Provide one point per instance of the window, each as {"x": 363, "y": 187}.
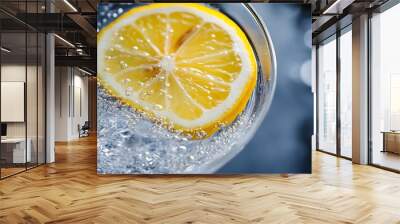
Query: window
{"x": 346, "y": 93}
{"x": 327, "y": 96}
{"x": 385, "y": 89}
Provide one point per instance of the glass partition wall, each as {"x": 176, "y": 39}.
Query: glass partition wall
{"x": 22, "y": 77}
{"x": 334, "y": 93}
{"x": 385, "y": 89}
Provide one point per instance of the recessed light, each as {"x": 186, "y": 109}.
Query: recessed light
{"x": 5, "y": 49}
{"x": 64, "y": 40}
{"x": 70, "y": 5}
{"x": 84, "y": 71}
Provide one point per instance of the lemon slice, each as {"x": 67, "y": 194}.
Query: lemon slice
{"x": 186, "y": 65}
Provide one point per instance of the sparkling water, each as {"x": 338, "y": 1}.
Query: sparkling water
{"x": 128, "y": 143}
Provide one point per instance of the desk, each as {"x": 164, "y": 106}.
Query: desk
{"x": 18, "y": 149}
{"x": 391, "y": 141}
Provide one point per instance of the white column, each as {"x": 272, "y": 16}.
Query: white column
{"x": 360, "y": 90}
{"x": 50, "y": 99}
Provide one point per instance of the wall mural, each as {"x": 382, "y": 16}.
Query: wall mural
{"x": 191, "y": 88}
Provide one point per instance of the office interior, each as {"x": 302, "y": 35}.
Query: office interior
{"x": 45, "y": 98}
{"x": 48, "y": 79}
{"x": 357, "y": 62}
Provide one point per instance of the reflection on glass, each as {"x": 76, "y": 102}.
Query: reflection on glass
{"x": 386, "y": 89}
{"x": 22, "y": 90}
{"x": 327, "y": 96}
{"x": 31, "y": 99}
{"x": 346, "y": 94}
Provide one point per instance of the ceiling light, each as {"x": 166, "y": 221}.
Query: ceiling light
{"x": 70, "y": 5}
{"x": 5, "y": 50}
{"x": 84, "y": 71}
{"x": 337, "y": 7}
{"x": 326, "y": 11}
{"x": 65, "y": 41}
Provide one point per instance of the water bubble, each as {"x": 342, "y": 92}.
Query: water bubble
{"x": 201, "y": 134}
{"x": 123, "y": 64}
{"x": 126, "y": 133}
{"x": 158, "y": 107}
{"x": 128, "y": 91}
{"x": 127, "y": 80}
{"x": 120, "y": 10}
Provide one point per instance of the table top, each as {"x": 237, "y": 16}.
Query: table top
{"x": 13, "y": 140}
{"x": 391, "y": 132}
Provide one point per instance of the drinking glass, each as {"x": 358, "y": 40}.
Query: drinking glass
{"x": 128, "y": 143}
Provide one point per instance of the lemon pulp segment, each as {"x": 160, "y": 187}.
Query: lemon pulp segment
{"x": 187, "y": 65}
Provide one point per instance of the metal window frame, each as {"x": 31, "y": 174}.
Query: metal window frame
{"x": 339, "y": 32}
{"x": 44, "y": 75}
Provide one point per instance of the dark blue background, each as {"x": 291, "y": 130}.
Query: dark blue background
{"x": 282, "y": 144}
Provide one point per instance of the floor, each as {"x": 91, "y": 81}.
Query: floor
{"x": 70, "y": 191}
{"x": 386, "y": 159}
{"x": 5, "y": 172}
{"x": 10, "y": 171}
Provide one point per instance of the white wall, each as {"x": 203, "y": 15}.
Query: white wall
{"x": 71, "y": 94}
{"x": 12, "y": 73}
{"x": 33, "y": 126}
